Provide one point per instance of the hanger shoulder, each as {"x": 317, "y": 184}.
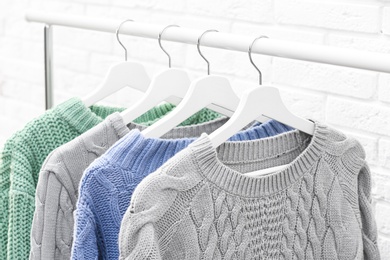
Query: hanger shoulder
{"x": 276, "y": 109}
{"x": 243, "y": 115}
{"x": 202, "y": 93}
{"x": 123, "y": 74}
{"x": 169, "y": 85}
{"x": 174, "y": 77}
{"x": 216, "y": 91}
{"x": 263, "y": 101}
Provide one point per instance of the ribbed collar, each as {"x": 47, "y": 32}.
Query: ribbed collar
{"x": 154, "y": 114}
{"x": 83, "y": 118}
{"x": 211, "y": 164}
{"x": 78, "y": 115}
{"x": 128, "y": 149}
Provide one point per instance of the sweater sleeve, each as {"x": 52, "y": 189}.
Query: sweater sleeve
{"x": 21, "y": 203}
{"x": 85, "y": 234}
{"x": 371, "y": 250}
{"x": 145, "y": 247}
{"x": 151, "y": 201}
{"x": 356, "y": 180}
{"x": 20, "y": 219}
{"x": 52, "y": 218}
{"x": 5, "y": 168}
{"x": 137, "y": 237}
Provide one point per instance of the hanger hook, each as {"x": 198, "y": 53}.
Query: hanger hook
{"x": 200, "y": 53}
{"x": 159, "y": 42}
{"x": 117, "y": 36}
{"x": 251, "y": 60}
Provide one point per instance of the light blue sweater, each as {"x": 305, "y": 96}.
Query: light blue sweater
{"x": 108, "y": 184}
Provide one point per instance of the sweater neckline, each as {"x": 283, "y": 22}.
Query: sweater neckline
{"x": 134, "y": 142}
{"x": 251, "y": 132}
{"x": 78, "y": 115}
{"x": 212, "y": 167}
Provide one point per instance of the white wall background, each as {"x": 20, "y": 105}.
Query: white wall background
{"x": 356, "y": 102}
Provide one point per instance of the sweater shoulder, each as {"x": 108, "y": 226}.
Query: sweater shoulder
{"x": 48, "y": 120}
{"x": 178, "y": 174}
{"x": 158, "y": 204}
{"x": 98, "y": 167}
{"x": 347, "y": 150}
{"x": 38, "y": 138}
{"x": 55, "y": 171}
{"x": 5, "y": 161}
{"x": 73, "y": 158}
{"x": 345, "y": 156}
{"x": 7, "y": 147}
{"x": 6, "y": 155}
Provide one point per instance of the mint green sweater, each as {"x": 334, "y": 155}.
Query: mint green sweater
{"x": 24, "y": 153}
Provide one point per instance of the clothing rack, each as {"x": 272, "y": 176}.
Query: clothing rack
{"x": 373, "y": 61}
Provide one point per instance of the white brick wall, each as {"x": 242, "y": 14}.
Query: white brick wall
{"x": 355, "y": 101}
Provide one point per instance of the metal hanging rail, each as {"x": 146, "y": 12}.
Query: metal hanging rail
{"x": 373, "y": 61}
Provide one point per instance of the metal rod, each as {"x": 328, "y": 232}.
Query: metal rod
{"x": 48, "y": 50}
{"x": 286, "y": 49}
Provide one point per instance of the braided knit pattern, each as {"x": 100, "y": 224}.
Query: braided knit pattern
{"x": 30, "y": 147}
{"x": 316, "y": 209}
{"x": 20, "y": 162}
{"x": 108, "y": 184}
{"x": 57, "y": 188}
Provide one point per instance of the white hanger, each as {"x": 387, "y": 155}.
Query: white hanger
{"x": 169, "y": 85}
{"x": 214, "y": 92}
{"x": 120, "y": 75}
{"x": 265, "y": 101}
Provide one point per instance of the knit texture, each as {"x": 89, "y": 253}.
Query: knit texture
{"x": 59, "y": 178}
{"x": 22, "y": 159}
{"x": 201, "y": 205}
{"x": 108, "y": 183}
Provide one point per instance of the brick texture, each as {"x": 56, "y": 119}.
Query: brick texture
{"x": 354, "y": 101}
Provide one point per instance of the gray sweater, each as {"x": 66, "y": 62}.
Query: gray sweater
{"x": 201, "y": 205}
{"x": 59, "y": 178}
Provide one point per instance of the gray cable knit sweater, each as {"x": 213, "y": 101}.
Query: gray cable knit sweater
{"x": 201, "y": 205}
{"x": 57, "y": 189}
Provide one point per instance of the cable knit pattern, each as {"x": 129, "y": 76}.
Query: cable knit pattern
{"x": 108, "y": 183}
{"x": 57, "y": 188}
{"x": 317, "y": 207}
{"x": 23, "y": 156}
{"x": 21, "y": 160}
